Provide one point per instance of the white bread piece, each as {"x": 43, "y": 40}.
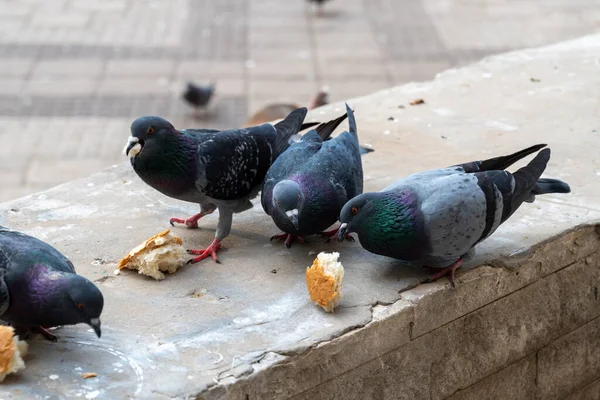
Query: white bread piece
{"x": 163, "y": 252}
{"x": 324, "y": 280}
{"x": 11, "y": 352}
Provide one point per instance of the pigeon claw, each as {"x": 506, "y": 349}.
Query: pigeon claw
{"x": 446, "y": 271}
{"x": 191, "y": 222}
{"x": 330, "y": 234}
{"x": 289, "y": 238}
{"x": 210, "y": 251}
{"x": 47, "y": 335}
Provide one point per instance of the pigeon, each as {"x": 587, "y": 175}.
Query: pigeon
{"x": 39, "y": 287}
{"x": 221, "y": 170}
{"x": 307, "y": 186}
{"x": 275, "y": 111}
{"x": 318, "y": 5}
{"x": 434, "y": 218}
{"x": 198, "y": 96}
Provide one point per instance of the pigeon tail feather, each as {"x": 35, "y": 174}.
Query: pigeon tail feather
{"x": 526, "y": 179}
{"x": 351, "y": 121}
{"x": 547, "y": 186}
{"x": 307, "y": 125}
{"x": 326, "y": 129}
{"x": 287, "y": 128}
{"x": 500, "y": 163}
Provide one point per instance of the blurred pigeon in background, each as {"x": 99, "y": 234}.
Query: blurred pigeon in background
{"x": 198, "y": 96}
{"x": 434, "y": 218}
{"x": 39, "y": 287}
{"x": 221, "y": 170}
{"x": 318, "y": 6}
{"x": 307, "y": 186}
{"x": 275, "y": 111}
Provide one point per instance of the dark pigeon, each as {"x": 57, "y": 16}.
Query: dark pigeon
{"x": 39, "y": 287}
{"x": 318, "y": 5}
{"x": 434, "y": 218}
{"x": 306, "y": 188}
{"x": 221, "y": 170}
{"x": 198, "y": 96}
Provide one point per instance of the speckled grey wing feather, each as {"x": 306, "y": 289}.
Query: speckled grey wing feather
{"x": 232, "y": 163}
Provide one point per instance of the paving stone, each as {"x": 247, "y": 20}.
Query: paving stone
{"x": 70, "y": 67}
{"x": 58, "y": 87}
{"x": 48, "y": 19}
{"x": 122, "y": 57}
{"x": 15, "y": 67}
{"x": 12, "y": 86}
{"x": 138, "y": 68}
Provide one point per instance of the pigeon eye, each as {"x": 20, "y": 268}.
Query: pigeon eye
{"x": 150, "y": 130}
{"x": 277, "y": 203}
{"x": 354, "y": 210}
{"x": 80, "y": 306}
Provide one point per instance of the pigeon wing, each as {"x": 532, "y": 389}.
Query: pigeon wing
{"x": 231, "y": 163}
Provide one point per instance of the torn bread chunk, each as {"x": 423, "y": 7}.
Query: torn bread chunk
{"x": 11, "y": 352}
{"x": 163, "y": 252}
{"x": 324, "y": 280}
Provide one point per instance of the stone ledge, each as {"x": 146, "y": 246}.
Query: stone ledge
{"x": 255, "y": 333}
{"x": 476, "y": 352}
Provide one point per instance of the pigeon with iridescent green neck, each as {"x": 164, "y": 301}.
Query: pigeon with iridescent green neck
{"x": 434, "y": 218}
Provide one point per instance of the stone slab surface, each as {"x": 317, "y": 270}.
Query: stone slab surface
{"x": 212, "y": 324}
{"x": 107, "y": 61}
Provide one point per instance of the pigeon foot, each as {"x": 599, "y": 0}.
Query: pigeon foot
{"x": 289, "y": 238}
{"x": 446, "y": 271}
{"x": 47, "y": 335}
{"x": 332, "y": 233}
{"x": 191, "y": 222}
{"x": 205, "y": 253}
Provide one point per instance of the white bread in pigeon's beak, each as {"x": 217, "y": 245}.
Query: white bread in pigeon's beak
{"x": 133, "y": 147}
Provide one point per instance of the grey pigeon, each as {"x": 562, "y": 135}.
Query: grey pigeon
{"x": 307, "y": 186}
{"x": 221, "y": 170}
{"x": 39, "y": 287}
{"x": 199, "y": 96}
{"x": 434, "y": 218}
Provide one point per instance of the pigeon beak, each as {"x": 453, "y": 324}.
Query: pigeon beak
{"x": 342, "y": 231}
{"x": 293, "y": 216}
{"x": 95, "y": 324}
{"x": 133, "y": 147}
{"x": 295, "y": 222}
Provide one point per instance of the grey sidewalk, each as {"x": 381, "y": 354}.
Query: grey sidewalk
{"x": 73, "y": 74}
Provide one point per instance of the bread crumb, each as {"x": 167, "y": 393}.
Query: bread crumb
{"x": 417, "y": 102}
{"x": 324, "y": 280}
{"x": 88, "y": 375}
{"x": 163, "y": 252}
{"x": 11, "y": 352}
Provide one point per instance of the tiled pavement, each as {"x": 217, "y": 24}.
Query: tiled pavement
{"x": 73, "y": 73}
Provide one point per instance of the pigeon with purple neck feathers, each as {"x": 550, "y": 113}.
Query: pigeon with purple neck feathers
{"x": 434, "y": 218}
{"x": 221, "y": 170}
{"x": 39, "y": 287}
{"x": 307, "y": 186}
